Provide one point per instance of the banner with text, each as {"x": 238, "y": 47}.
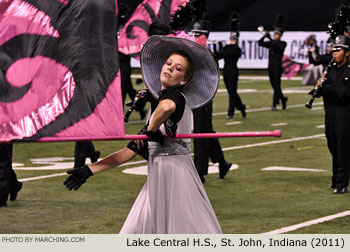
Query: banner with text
{"x": 256, "y": 57}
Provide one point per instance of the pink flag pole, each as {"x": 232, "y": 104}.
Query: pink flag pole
{"x": 275, "y": 133}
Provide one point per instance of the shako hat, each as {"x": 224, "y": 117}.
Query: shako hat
{"x": 341, "y": 42}
{"x": 201, "y": 27}
{"x": 279, "y": 24}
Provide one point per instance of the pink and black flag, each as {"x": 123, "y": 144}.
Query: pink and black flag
{"x": 291, "y": 67}
{"x": 135, "y": 31}
{"x": 59, "y": 70}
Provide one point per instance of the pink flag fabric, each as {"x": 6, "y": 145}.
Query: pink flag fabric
{"x": 59, "y": 70}
{"x": 134, "y": 33}
{"x": 291, "y": 68}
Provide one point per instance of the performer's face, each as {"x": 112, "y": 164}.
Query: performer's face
{"x": 175, "y": 70}
{"x": 277, "y": 36}
{"x": 311, "y": 42}
{"x": 340, "y": 56}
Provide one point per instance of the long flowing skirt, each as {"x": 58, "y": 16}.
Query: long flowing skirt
{"x": 172, "y": 201}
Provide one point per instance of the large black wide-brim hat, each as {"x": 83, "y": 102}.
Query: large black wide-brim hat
{"x": 205, "y": 79}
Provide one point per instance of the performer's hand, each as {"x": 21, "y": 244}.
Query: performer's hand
{"x": 220, "y": 44}
{"x": 324, "y": 76}
{"x": 77, "y": 178}
{"x": 142, "y": 96}
{"x": 156, "y": 136}
{"x": 267, "y": 35}
{"x": 321, "y": 80}
{"x": 142, "y": 93}
{"x": 318, "y": 83}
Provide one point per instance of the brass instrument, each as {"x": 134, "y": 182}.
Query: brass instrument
{"x": 262, "y": 30}
{"x": 215, "y": 42}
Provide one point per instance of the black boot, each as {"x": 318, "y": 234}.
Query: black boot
{"x": 94, "y": 157}
{"x": 340, "y": 190}
{"x": 224, "y": 167}
{"x": 284, "y": 102}
{"x": 3, "y": 198}
{"x": 14, "y": 191}
{"x": 244, "y": 114}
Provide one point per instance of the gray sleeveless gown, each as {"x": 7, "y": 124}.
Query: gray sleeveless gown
{"x": 173, "y": 199}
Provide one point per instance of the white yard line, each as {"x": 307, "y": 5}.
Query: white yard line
{"x": 233, "y": 123}
{"x": 272, "y": 142}
{"x": 269, "y": 108}
{"x": 43, "y": 177}
{"x": 309, "y": 223}
{"x": 280, "y": 168}
{"x": 278, "y": 124}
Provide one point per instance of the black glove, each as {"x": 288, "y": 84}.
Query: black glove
{"x": 77, "y": 178}
{"x": 156, "y": 136}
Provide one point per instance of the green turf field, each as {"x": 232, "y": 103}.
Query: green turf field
{"x": 248, "y": 200}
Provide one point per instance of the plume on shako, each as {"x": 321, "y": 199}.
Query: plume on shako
{"x": 234, "y": 26}
{"x": 185, "y": 16}
{"x": 279, "y": 24}
{"x": 341, "y": 20}
{"x": 123, "y": 14}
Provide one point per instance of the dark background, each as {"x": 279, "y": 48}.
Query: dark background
{"x": 301, "y": 15}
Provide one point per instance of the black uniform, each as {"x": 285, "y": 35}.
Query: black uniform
{"x": 205, "y": 148}
{"x": 126, "y": 84}
{"x": 276, "y": 50}
{"x": 125, "y": 73}
{"x": 314, "y": 54}
{"x": 321, "y": 59}
{"x": 231, "y": 54}
{"x": 336, "y": 96}
{"x": 8, "y": 178}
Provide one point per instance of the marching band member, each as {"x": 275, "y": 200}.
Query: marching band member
{"x": 276, "y": 49}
